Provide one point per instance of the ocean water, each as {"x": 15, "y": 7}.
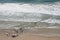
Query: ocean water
{"x": 28, "y": 1}
{"x": 30, "y": 13}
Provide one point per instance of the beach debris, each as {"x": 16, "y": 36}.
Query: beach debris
{"x": 11, "y": 33}
{"x": 14, "y": 35}
{"x": 21, "y": 30}
{"x": 14, "y": 32}
{"x": 17, "y": 30}
{"x": 7, "y": 34}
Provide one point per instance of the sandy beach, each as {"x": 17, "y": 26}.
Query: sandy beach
{"x": 26, "y": 36}
{"x": 29, "y": 37}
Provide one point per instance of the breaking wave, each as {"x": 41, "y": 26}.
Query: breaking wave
{"x": 30, "y": 12}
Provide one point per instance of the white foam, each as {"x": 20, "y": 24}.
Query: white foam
{"x": 52, "y": 21}
{"x": 24, "y": 20}
{"x": 17, "y": 9}
{"x": 11, "y": 8}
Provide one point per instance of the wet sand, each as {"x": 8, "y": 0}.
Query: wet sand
{"x": 27, "y": 36}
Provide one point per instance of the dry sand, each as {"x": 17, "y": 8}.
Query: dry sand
{"x": 27, "y": 36}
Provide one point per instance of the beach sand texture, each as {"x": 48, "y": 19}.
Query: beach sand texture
{"x": 26, "y": 36}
